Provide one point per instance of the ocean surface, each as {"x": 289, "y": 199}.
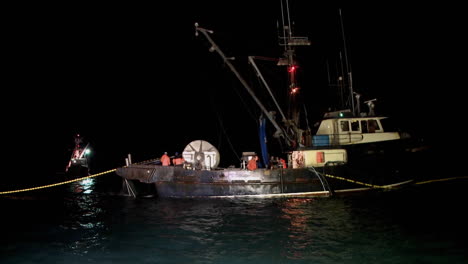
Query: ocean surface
{"x": 91, "y": 222}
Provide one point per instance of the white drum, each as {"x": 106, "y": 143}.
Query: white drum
{"x": 201, "y": 154}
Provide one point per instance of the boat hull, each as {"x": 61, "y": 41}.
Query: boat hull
{"x": 233, "y": 182}
{"x": 385, "y": 162}
{"x": 78, "y": 170}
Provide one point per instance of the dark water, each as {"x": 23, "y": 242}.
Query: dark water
{"x": 91, "y": 223}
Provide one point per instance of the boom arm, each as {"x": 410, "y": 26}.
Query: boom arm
{"x": 279, "y": 131}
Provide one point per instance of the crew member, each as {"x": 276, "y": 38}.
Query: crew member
{"x": 165, "y": 160}
{"x": 178, "y": 160}
{"x": 273, "y": 162}
{"x": 252, "y": 165}
{"x": 283, "y": 163}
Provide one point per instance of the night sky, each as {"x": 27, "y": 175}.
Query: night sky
{"x": 134, "y": 78}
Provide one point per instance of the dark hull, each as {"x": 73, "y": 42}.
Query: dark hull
{"x": 182, "y": 183}
{"x": 385, "y": 162}
{"x": 77, "y": 171}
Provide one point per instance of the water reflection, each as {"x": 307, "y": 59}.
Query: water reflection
{"x": 83, "y": 221}
{"x": 300, "y": 232}
{"x": 85, "y": 186}
{"x": 313, "y": 227}
{"x": 97, "y": 227}
{"x": 245, "y": 230}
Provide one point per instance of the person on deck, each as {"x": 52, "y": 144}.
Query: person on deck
{"x": 273, "y": 162}
{"x": 252, "y": 165}
{"x": 283, "y": 163}
{"x": 165, "y": 160}
{"x": 178, "y": 160}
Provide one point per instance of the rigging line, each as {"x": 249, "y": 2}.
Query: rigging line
{"x": 289, "y": 18}
{"x": 348, "y": 67}
{"x": 344, "y": 42}
{"x": 319, "y": 176}
{"x": 328, "y": 72}
{"x": 260, "y": 76}
{"x": 244, "y": 103}
{"x": 220, "y": 137}
{"x": 218, "y": 127}
{"x": 227, "y": 137}
{"x": 129, "y": 189}
{"x": 342, "y": 83}
{"x": 282, "y": 21}
{"x": 306, "y": 117}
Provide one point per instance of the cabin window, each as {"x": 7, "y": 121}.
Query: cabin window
{"x": 344, "y": 125}
{"x": 373, "y": 125}
{"x": 364, "y": 126}
{"x": 355, "y": 125}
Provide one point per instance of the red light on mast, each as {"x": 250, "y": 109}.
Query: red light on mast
{"x": 292, "y": 68}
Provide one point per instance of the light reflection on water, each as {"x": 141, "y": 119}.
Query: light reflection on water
{"x": 94, "y": 226}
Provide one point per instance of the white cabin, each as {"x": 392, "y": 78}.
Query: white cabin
{"x": 352, "y": 130}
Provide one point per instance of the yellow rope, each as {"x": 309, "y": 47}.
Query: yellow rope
{"x": 357, "y": 182}
{"x": 391, "y": 186}
{"x": 60, "y": 183}
{"x": 70, "y": 181}
{"x": 445, "y": 179}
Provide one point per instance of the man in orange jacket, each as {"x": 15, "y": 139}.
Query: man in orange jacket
{"x": 283, "y": 163}
{"x": 252, "y": 165}
{"x": 165, "y": 160}
{"x": 178, "y": 160}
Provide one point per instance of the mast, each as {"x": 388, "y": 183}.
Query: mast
{"x": 290, "y": 131}
{"x": 290, "y": 42}
{"x": 348, "y": 70}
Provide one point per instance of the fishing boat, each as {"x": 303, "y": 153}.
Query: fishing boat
{"x": 78, "y": 165}
{"x": 348, "y": 153}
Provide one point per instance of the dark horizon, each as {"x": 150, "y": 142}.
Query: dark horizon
{"x": 135, "y": 79}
